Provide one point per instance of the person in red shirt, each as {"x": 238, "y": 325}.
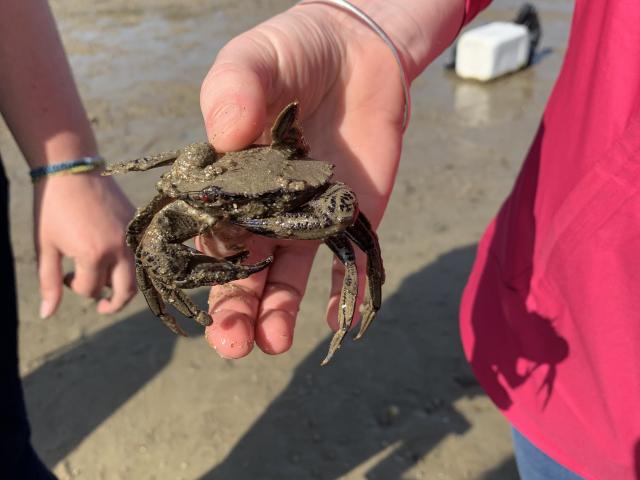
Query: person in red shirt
{"x": 549, "y": 318}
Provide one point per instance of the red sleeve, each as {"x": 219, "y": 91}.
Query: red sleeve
{"x": 472, "y": 8}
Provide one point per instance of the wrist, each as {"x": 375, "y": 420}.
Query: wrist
{"x": 419, "y": 29}
{"x": 63, "y": 154}
{"x": 62, "y": 147}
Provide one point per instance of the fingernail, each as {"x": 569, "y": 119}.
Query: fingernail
{"x": 225, "y": 117}
{"x": 46, "y": 308}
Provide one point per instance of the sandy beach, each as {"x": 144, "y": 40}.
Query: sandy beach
{"x": 120, "y": 397}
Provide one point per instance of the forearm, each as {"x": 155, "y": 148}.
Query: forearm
{"x": 420, "y": 29}
{"x": 38, "y": 96}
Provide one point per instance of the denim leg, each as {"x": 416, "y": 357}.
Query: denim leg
{"x": 18, "y": 460}
{"x": 533, "y": 464}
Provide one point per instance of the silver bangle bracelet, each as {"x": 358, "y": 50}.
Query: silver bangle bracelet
{"x": 406, "y": 87}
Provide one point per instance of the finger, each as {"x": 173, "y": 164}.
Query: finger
{"x": 234, "y": 307}
{"x": 224, "y": 243}
{"x": 234, "y": 94}
{"x": 50, "y": 274}
{"x": 123, "y": 286}
{"x": 88, "y": 279}
{"x": 337, "y": 279}
{"x": 283, "y": 292}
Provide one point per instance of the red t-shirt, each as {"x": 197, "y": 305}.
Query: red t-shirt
{"x": 550, "y": 317}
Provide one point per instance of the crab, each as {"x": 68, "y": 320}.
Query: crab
{"x": 273, "y": 190}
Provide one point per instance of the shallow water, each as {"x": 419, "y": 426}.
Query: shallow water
{"x": 158, "y": 56}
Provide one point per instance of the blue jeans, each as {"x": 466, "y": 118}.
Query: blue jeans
{"x": 533, "y": 464}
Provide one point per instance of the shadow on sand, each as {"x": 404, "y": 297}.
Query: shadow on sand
{"x": 72, "y": 394}
{"x": 391, "y": 397}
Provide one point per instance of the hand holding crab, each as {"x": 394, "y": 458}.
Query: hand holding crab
{"x": 353, "y": 109}
{"x": 275, "y": 191}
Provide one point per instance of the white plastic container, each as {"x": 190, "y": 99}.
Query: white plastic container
{"x": 492, "y": 50}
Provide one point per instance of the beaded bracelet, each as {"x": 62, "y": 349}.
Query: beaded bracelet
{"x": 370, "y": 22}
{"x": 81, "y": 165}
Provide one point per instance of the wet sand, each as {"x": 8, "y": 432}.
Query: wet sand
{"x": 121, "y": 397}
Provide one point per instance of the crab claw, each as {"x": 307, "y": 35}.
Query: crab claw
{"x": 238, "y": 257}
{"x": 256, "y": 267}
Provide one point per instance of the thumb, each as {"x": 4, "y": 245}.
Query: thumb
{"x": 50, "y": 273}
{"x": 234, "y": 94}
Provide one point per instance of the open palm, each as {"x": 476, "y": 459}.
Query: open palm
{"x": 352, "y": 105}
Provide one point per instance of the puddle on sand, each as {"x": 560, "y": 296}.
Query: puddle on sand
{"x": 501, "y": 115}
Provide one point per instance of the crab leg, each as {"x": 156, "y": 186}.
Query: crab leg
{"x": 155, "y": 291}
{"x": 186, "y": 306}
{"x": 366, "y": 239}
{"x": 287, "y": 134}
{"x": 143, "y": 218}
{"x": 142, "y": 164}
{"x": 341, "y": 247}
{"x": 154, "y": 300}
{"x": 218, "y": 272}
{"x": 334, "y": 211}
{"x": 169, "y": 265}
{"x": 330, "y": 213}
